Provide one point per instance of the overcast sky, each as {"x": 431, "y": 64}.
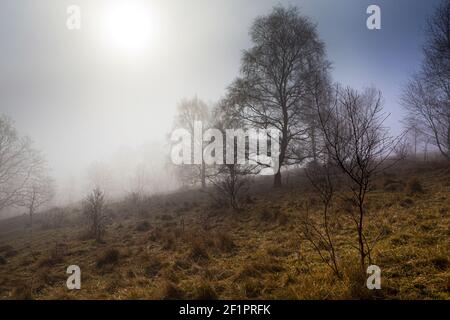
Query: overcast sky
{"x": 80, "y": 98}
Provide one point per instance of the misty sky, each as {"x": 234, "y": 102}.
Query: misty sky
{"x": 81, "y": 99}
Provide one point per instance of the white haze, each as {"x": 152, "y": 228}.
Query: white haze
{"x": 87, "y": 104}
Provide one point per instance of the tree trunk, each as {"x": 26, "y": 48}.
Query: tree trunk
{"x": 203, "y": 175}
{"x": 277, "y": 179}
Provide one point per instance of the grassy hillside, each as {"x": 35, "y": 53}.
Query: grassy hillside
{"x": 184, "y": 246}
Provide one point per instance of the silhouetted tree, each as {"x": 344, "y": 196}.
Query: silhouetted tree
{"x": 427, "y": 95}
{"x": 272, "y": 91}
{"x": 360, "y": 146}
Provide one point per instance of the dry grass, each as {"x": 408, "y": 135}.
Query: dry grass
{"x": 259, "y": 254}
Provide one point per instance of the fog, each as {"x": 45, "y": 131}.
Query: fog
{"x": 100, "y": 111}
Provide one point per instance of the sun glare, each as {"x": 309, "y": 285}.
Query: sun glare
{"x": 129, "y": 27}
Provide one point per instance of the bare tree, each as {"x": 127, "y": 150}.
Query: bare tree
{"x": 94, "y": 210}
{"x": 38, "y": 191}
{"x": 275, "y": 74}
{"x": 358, "y": 144}
{"x": 427, "y": 95}
{"x": 17, "y": 163}
{"x": 230, "y": 181}
{"x": 188, "y": 112}
{"x": 323, "y": 178}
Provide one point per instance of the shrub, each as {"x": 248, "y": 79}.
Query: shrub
{"x": 94, "y": 208}
{"x": 198, "y": 251}
{"x": 265, "y": 215}
{"x": 441, "y": 263}
{"x": 165, "y": 217}
{"x": 143, "y": 226}
{"x": 277, "y": 251}
{"x": 8, "y": 251}
{"x": 224, "y": 242}
{"x": 5, "y": 248}
{"x": 407, "y": 203}
{"x": 156, "y": 234}
{"x": 414, "y": 186}
{"x": 109, "y": 257}
{"x": 390, "y": 185}
{"x": 56, "y": 256}
{"x": 357, "y": 288}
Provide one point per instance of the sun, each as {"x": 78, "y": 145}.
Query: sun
{"x": 129, "y": 27}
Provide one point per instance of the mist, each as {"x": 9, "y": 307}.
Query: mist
{"x": 86, "y": 102}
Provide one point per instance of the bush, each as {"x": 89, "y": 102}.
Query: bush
{"x": 357, "y": 288}
{"x": 109, "y": 257}
{"x": 224, "y": 242}
{"x": 56, "y": 256}
{"x": 407, "y": 203}
{"x": 390, "y": 185}
{"x": 8, "y": 251}
{"x": 5, "y": 248}
{"x": 414, "y": 186}
{"x": 2, "y": 260}
{"x": 441, "y": 263}
{"x": 265, "y": 215}
{"x": 50, "y": 261}
{"x": 165, "y": 217}
{"x": 143, "y": 226}
{"x": 94, "y": 209}
{"x": 198, "y": 251}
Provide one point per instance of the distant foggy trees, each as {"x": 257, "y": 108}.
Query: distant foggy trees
{"x": 24, "y": 180}
{"x": 274, "y": 88}
{"x": 190, "y": 111}
{"x": 100, "y": 175}
{"x": 427, "y": 95}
